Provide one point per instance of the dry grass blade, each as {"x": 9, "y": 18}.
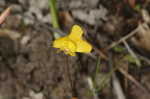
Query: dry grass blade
{"x": 128, "y": 76}
{"x": 138, "y": 63}
{"x": 4, "y": 15}
{"x": 103, "y": 56}
{"x": 117, "y": 88}
{"x": 92, "y": 88}
{"x": 123, "y": 39}
{"x": 10, "y": 33}
{"x": 147, "y": 60}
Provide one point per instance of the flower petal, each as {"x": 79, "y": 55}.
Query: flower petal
{"x": 73, "y": 42}
{"x": 58, "y": 43}
{"x": 65, "y": 44}
{"x": 76, "y": 32}
{"x": 83, "y": 46}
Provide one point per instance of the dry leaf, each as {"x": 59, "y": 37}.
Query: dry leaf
{"x": 142, "y": 38}
{"x": 66, "y": 18}
{"x": 9, "y": 33}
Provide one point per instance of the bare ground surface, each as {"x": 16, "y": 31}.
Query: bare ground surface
{"x": 31, "y": 69}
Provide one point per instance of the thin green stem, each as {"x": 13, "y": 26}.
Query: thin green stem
{"x": 107, "y": 77}
{"x": 97, "y": 68}
{"x": 54, "y": 16}
{"x": 96, "y": 72}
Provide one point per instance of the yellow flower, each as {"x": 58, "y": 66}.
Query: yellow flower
{"x": 73, "y": 42}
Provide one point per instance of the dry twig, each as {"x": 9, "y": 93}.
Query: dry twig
{"x": 123, "y": 39}
{"x": 128, "y": 76}
{"x": 103, "y": 56}
{"x": 132, "y": 53}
